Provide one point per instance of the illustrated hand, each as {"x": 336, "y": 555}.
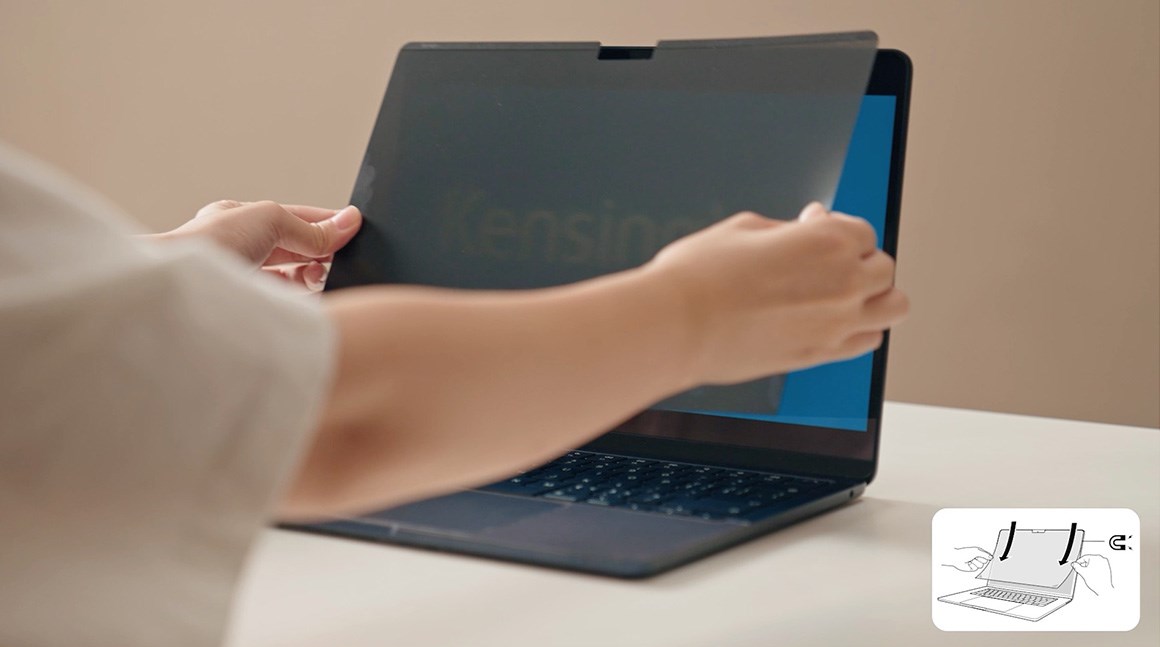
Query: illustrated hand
{"x": 765, "y": 296}
{"x": 273, "y": 236}
{"x": 1096, "y": 573}
{"x": 967, "y": 559}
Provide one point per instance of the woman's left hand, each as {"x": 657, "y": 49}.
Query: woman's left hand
{"x": 291, "y": 241}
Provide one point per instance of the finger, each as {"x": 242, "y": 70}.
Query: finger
{"x": 216, "y": 206}
{"x": 316, "y": 239}
{"x": 750, "y": 220}
{"x": 285, "y": 273}
{"x": 884, "y": 311}
{"x": 860, "y": 344}
{"x": 310, "y": 275}
{"x": 984, "y": 551}
{"x": 309, "y": 213}
{"x": 859, "y": 229}
{"x": 878, "y": 273}
{"x": 279, "y": 256}
{"x": 813, "y": 211}
{"x": 314, "y": 276}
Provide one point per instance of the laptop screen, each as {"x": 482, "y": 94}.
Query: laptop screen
{"x": 521, "y": 177}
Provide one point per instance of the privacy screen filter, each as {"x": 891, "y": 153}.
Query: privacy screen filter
{"x": 1035, "y": 557}
{"x": 526, "y": 165}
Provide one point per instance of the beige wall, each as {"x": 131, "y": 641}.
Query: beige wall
{"x": 1031, "y": 217}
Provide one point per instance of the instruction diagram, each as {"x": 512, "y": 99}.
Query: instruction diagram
{"x": 1035, "y": 569}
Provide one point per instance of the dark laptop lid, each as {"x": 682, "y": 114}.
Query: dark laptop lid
{"x": 527, "y": 165}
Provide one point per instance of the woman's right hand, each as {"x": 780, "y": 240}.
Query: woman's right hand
{"x": 763, "y": 296}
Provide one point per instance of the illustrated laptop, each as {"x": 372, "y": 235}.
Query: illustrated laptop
{"x": 511, "y": 166}
{"x": 1035, "y": 580}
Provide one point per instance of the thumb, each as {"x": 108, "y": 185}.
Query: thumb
{"x": 320, "y": 238}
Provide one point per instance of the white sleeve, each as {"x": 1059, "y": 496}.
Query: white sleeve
{"x": 154, "y": 398}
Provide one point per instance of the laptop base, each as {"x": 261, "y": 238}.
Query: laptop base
{"x": 572, "y": 536}
{"x": 971, "y": 599}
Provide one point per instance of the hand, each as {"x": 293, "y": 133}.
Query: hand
{"x": 764, "y": 296}
{"x": 967, "y": 559}
{"x": 271, "y": 235}
{"x": 1096, "y": 573}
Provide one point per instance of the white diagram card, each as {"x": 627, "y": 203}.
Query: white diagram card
{"x": 1035, "y": 569}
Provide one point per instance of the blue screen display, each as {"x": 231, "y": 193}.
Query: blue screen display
{"x": 838, "y": 395}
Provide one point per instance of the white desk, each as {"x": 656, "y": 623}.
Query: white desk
{"x": 856, "y": 576}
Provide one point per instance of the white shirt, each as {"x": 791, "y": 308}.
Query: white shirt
{"x": 154, "y": 398}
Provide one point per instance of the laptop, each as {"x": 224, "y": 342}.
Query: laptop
{"x": 703, "y": 470}
{"x": 1032, "y": 577}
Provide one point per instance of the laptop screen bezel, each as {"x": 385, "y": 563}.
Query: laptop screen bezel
{"x": 785, "y": 447}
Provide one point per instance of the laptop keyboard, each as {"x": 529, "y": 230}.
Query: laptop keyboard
{"x": 660, "y": 486}
{"x": 1016, "y": 597}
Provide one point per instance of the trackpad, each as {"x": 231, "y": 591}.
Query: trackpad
{"x": 464, "y": 512}
{"x": 993, "y": 605}
{"x": 606, "y": 533}
{"x": 539, "y": 525}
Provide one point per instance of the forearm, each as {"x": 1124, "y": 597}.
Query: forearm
{"x": 437, "y": 389}
{"x": 442, "y": 389}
